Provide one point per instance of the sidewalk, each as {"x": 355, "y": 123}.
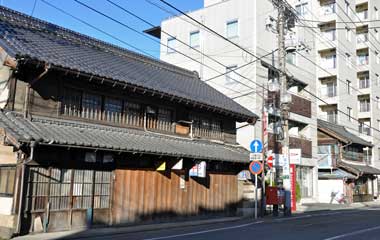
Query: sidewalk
{"x": 88, "y": 233}
{"x": 310, "y": 207}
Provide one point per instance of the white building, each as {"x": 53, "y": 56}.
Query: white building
{"x": 244, "y": 22}
{"x": 348, "y": 48}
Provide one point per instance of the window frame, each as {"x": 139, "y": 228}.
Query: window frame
{"x": 171, "y": 49}
{"x": 199, "y": 39}
{"x": 9, "y": 186}
{"x": 236, "y": 20}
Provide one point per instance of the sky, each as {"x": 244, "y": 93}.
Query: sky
{"x": 142, "y": 8}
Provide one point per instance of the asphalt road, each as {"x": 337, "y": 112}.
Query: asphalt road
{"x": 327, "y": 225}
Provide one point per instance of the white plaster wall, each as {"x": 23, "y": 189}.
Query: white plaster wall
{"x": 326, "y": 187}
{"x": 6, "y": 205}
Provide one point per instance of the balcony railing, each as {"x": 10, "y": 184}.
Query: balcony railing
{"x": 117, "y": 118}
{"x": 354, "y": 156}
{"x": 299, "y": 105}
{"x": 207, "y": 133}
{"x": 364, "y": 83}
{"x": 363, "y": 15}
{"x": 362, "y": 38}
{"x": 363, "y": 60}
{"x": 328, "y": 9}
{"x": 329, "y": 34}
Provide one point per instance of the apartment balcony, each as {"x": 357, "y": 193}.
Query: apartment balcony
{"x": 358, "y": 2}
{"x": 327, "y": 12}
{"x": 328, "y": 98}
{"x": 326, "y": 42}
{"x": 363, "y": 65}
{"x": 362, "y": 40}
{"x": 353, "y": 156}
{"x": 294, "y": 142}
{"x": 327, "y": 71}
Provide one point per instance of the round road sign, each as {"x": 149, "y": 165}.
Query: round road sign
{"x": 270, "y": 161}
{"x": 255, "y": 167}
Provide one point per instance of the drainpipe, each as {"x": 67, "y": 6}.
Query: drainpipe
{"x": 33, "y": 144}
{"x": 29, "y": 86}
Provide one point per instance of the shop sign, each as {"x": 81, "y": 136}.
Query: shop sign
{"x": 198, "y": 170}
{"x": 295, "y": 156}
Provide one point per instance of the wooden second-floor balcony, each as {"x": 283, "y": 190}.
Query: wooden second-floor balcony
{"x": 154, "y": 119}
{"x": 294, "y": 142}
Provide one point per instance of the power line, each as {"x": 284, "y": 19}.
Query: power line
{"x": 342, "y": 54}
{"x": 34, "y": 7}
{"x": 345, "y": 22}
{"x": 184, "y": 43}
{"x": 329, "y": 103}
{"x": 96, "y": 28}
{"x": 159, "y": 42}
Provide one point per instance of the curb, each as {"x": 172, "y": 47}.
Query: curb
{"x": 107, "y": 231}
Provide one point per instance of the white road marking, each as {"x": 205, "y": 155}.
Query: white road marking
{"x": 313, "y": 215}
{"x": 205, "y": 231}
{"x": 353, "y": 233}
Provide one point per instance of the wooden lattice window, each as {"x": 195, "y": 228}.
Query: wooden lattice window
{"x": 65, "y": 187}
{"x": 7, "y": 180}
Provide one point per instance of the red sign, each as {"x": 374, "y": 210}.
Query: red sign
{"x": 255, "y": 167}
{"x": 270, "y": 161}
{"x": 293, "y": 186}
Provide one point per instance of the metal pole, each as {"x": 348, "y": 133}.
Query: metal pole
{"x": 263, "y": 139}
{"x": 256, "y": 196}
{"x": 284, "y": 106}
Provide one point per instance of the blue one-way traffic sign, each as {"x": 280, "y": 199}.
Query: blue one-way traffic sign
{"x": 256, "y": 146}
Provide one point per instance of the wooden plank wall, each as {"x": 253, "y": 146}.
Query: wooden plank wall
{"x": 141, "y": 195}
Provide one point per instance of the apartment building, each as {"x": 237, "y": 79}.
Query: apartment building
{"x": 348, "y": 49}
{"x": 244, "y": 22}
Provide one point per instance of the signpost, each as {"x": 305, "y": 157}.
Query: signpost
{"x": 256, "y": 146}
{"x": 255, "y": 167}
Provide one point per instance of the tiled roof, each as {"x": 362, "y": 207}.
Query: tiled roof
{"x": 359, "y": 168}
{"x": 335, "y": 174}
{"x": 342, "y": 132}
{"x": 71, "y": 133}
{"x": 28, "y": 37}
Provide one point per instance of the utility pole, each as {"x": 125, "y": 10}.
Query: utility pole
{"x": 285, "y": 20}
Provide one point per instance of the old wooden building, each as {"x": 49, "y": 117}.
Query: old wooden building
{"x": 344, "y": 165}
{"x": 96, "y": 134}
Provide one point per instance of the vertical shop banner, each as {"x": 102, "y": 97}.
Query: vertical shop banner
{"x": 293, "y": 187}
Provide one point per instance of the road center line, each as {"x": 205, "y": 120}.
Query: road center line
{"x": 353, "y": 233}
{"x": 205, "y": 231}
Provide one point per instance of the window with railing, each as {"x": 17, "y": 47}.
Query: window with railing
{"x": 331, "y": 89}
{"x": 328, "y": 62}
{"x": 328, "y": 9}
{"x": 363, "y": 15}
{"x": 365, "y": 128}
{"x": 364, "y": 82}
{"x": 362, "y": 37}
{"x": 363, "y": 59}
{"x": 205, "y": 127}
{"x": 332, "y": 116}
{"x": 329, "y": 34}
{"x": 364, "y": 105}
{"x": 81, "y": 104}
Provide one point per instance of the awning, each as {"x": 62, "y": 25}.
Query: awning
{"x": 335, "y": 174}
{"x": 50, "y": 131}
{"x": 359, "y": 169}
